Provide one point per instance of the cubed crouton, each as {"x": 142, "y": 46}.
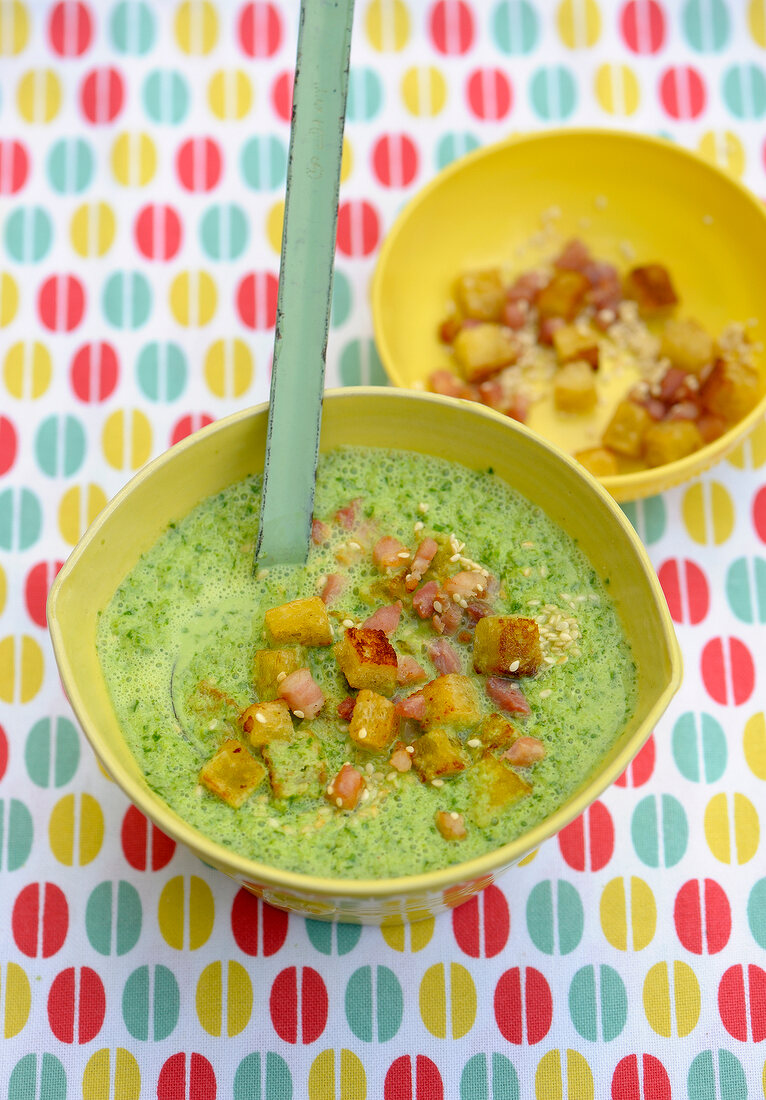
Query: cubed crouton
{"x": 438, "y": 754}
{"x": 232, "y": 774}
{"x": 574, "y": 387}
{"x": 687, "y": 345}
{"x": 209, "y": 701}
{"x": 304, "y": 621}
{"x": 507, "y": 643}
{"x": 368, "y": 660}
{"x": 483, "y": 350}
{"x": 564, "y": 296}
{"x": 374, "y": 723}
{"x": 670, "y": 440}
{"x": 625, "y": 431}
{"x": 296, "y": 767}
{"x": 269, "y": 721}
{"x": 480, "y": 295}
{"x": 651, "y": 287}
{"x": 451, "y": 700}
{"x": 494, "y": 787}
{"x": 268, "y": 666}
{"x": 732, "y": 389}
{"x": 496, "y": 732}
{"x": 576, "y": 342}
{"x": 598, "y": 461}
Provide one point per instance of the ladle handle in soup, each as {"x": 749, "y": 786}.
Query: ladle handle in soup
{"x": 305, "y": 280}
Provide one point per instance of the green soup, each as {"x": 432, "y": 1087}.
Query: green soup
{"x": 191, "y": 612}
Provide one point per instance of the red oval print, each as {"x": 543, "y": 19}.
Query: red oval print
{"x": 259, "y": 29}
{"x": 61, "y": 303}
{"x": 102, "y": 95}
{"x": 588, "y": 843}
{"x": 728, "y": 671}
{"x": 759, "y": 501}
{"x": 258, "y": 928}
{"x": 451, "y": 27}
{"x": 743, "y": 1010}
{"x": 489, "y": 94}
{"x": 186, "y": 1077}
{"x": 645, "y": 1081}
{"x": 686, "y": 590}
{"x": 682, "y": 92}
{"x": 523, "y": 1005}
{"x": 358, "y": 228}
{"x": 14, "y": 167}
{"x": 639, "y": 770}
{"x": 158, "y": 232}
{"x": 188, "y": 424}
{"x": 40, "y": 924}
{"x": 395, "y": 160}
{"x": 36, "y": 588}
{"x": 292, "y": 1007}
{"x": 702, "y": 917}
{"x": 144, "y": 846}
{"x": 642, "y": 23}
{"x": 70, "y": 28}
{"x": 95, "y": 372}
{"x": 408, "y": 1081}
{"x": 76, "y": 1005}
{"x": 481, "y": 926}
{"x": 9, "y": 444}
{"x": 3, "y": 751}
{"x": 257, "y": 300}
{"x": 199, "y": 163}
{"x": 282, "y": 96}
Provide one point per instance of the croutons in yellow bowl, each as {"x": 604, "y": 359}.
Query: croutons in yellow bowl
{"x": 636, "y": 202}
{"x": 225, "y": 452}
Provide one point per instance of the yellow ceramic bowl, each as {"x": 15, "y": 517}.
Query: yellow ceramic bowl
{"x": 233, "y": 448}
{"x": 617, "y": 191}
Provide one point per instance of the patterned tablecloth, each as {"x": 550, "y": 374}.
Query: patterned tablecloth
{"x": 142, "y": 166}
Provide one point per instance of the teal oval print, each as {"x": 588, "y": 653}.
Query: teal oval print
{"x": 151, "y": 1003}
{"x": 37, "y": 1077}
{"x": 515, "y": 27}
{"x": 113, "y": 918}
{"x": 374, "y": 1009}
{"x": 706, "y": 25}
{"x": 333, "y": 939}
{"x": 746, "y": 589}
{"x": 744, "y": 91}
{"x": 342, "y": 298}
{"x": 263, "y": 1077}
{"x": 659, "y": 830}
{"x": 598, "y": 1014}
{"x": 489, "y": 1077}
{"x": 70, "y": 166}
{"x": 553, "y": 93}
{"x": 360, "y": 365}
{"x": 648, "y": 518}
{"x": 16, "y": 834}
{"x": 161, "y": 372}
{"x": 722, "y": 1066}
{"x": 756, "y": 912}
{"x": 52, "y": 752}
{"x": 365, "y": 95}
{"x": 28, "y": 234}
{"x": 224, "y": 232}
{"x": 165, "y": 95}
{"x": 21, "y": 519}
{"x": 264, "y": 163}
{"x": 453, "y": 146}
{"x": 127, "y": 300}
{"x": 60, "y": 446}
{"x": 555, "y": 921}
{"x": 132, "y": 27}
{"x": 699, "y": 747}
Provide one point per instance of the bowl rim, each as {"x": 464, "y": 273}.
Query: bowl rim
{"x": 628, "y": 486}
{"x": 157, "y": 810}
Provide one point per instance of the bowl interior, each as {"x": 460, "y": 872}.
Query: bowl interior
{"x": 233, "y": 448}
{"x": 617, "y": 191}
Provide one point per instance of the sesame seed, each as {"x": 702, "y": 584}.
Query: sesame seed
{"x": 299, "y": 714}
{"x": 455, "y": 557}
{"x": 281, "y": 676}
{"x": 362, "y": 733}
{"x": 419, "y": 525}
{"x": 369, "y": 768}
{"x": 354, "y": 544}
{"x": 331, "y": 789}
{"x": 390, "y": 777}
{"x": 707, "y": 219}
{"x": 528, "y": 545}
{"x": 544, "y": 694}
{"x": 213, "y": 725}
{"x": 527, "y": 571}
{"x": 403, "y": 554}
{"x": 322, "y": 579}
{"x": 437, "y": 782}
{"x": 438, "y": 607}
{"x": 543, "y": 570}
{"x": 454, "y": 815}
{"x": 338, "y": 801}
{"x": 365, "y": 795}
{"x": 514, "y": 666}
{"x": 409, "y": 748}
{"x": 273, "y": 823}
{"x": 474, "y": 743}
{"x": 348, "y": 622}
{"x": 260, "y": 718}
{"x": 259, "y": 576}
{"x": 423, "y": 508}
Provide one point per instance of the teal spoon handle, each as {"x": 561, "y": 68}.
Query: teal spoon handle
{"x": 305, "y": 281}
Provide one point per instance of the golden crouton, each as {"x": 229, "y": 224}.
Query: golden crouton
{"x": 484, "y": 349}
{"x": 651, "y": 287}
{"x": 507, "y": 643}
{"x": 303, "y": 621}
{"x": 295, "y": 767}
{"x": 270, "y": 721}
{"x": 232, "y": 774}
{"x": 496, "y": 732}
{"x": 451, "y": 700}
{"x": 576, "y": 342}
{"x": 625, "y": 431}
{"x": 480, "y": 295}
{"x": 687, "y": 345}
{"x": 732, "y": 389}
{"x": 598, "y": 461}
{"x": 367, "y": 660}
{"x": 268, "y": 664}
{"x": 670, "y": 440}
{"x": 564, "y": 295}
{"x": 438, "y": 754}
{"x": 574, "y": 387}
{"x": 494, "y": 786}
{"x": 374, "y": 723}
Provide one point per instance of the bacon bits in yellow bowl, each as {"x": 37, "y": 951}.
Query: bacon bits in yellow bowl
{"x": 603, "y": 288}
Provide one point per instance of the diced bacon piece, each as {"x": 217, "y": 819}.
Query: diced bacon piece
{"x": 507, "y": 695}
{"x": 450, "y": 825}
{"x": 347, "y": 516}
{"x": 655, "y": 408}
{"x": 400, "y": 759}
{"x": 386, "y": 551}
{"x": 302, "y": 693}
{"x": 448, "y": 330}
{"x": 320, "y": 532}
{"x": 491, "y": 393}
{"x": 423, "y": 599}
{"x": 423, "y": 557}
{"x": 515, "y": 313}
{"x": 444, "y": 656}
{"x": 346, "y": 788}
{"x": 671, "y": 383}
{"x": 412, "y": 706}
{"x": 683, "y": 410}
{"x": 346, "y": 707}
{"x": 466, "y": 583}
{"x": 448, "y": 619}
{"x": 477, "y": 609}
{"x": 574, "y": 256}
{"x": 547, "y": 328}
{"x": 333, "y": 587}
{"x": 527, "y": 287}
{"x": 447, "y": 384}
{"x": 518, "y": 408}
{"x": 524, "y": 752}
{"x": 385, "y": 618}
{"x": 493, "y": 585}
{"x": 409, "y": 671}
{"x": 606, "y": 287}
